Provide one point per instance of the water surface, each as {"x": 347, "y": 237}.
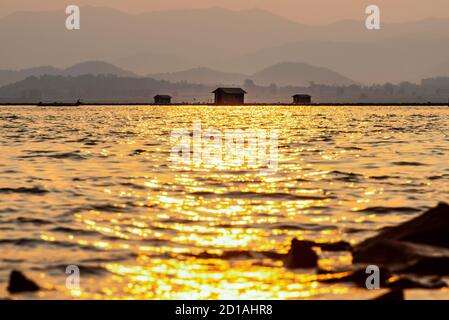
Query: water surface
{"x": 94, "y": 187}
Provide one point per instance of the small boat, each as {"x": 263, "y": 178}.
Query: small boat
{"x": 59, "y": 104}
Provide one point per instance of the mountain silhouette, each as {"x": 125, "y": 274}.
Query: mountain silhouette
{"x": 299, "y": 74}
{"x": 287, "y": 73}
{"x": 96, "y": 68}
{"x": 155, "y": 62}
{"x": 103, "y": 87}
{"x": 11, "y": 76}
{"x": 203, "y": 76}
{"x": 281, "y": 74}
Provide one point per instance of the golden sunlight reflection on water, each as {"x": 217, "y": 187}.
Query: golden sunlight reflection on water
{"x": 143, "y": 228}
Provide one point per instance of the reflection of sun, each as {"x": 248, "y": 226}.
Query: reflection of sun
{"x": 215, "y": 279}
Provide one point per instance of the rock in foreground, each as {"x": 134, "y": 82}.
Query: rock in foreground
{"x": 418, "y": 246}
{"x": 301, "y": 255}
{"x": 431, "y": 228}
{"x": 18, "y": 283}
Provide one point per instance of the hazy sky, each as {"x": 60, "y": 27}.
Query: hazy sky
{"x": 305, "y": 11}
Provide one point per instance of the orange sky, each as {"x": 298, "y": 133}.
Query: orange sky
{"x": 305, "y": 11}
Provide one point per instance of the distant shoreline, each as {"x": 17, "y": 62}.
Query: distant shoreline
{"x": 396, "y": 104}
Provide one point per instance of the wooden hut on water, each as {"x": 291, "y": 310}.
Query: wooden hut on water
{"x": 229, "y": 96}
{"x": 302, "y": 99}
{"x": 162, "y": 99}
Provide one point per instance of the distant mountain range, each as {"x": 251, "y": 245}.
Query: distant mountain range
{"x": 299, "y": 74}
{"x": 236, "y": 42}
{"x": 11, "y": 76}
{"x": 96, "y": 68}
{"x": 90, "y": 67}
{"x": 281, "y": 74}
{"x": 195, "y": 35}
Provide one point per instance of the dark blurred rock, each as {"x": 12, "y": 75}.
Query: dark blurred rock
{"x": 386, "y": 252}
{"x": 301, "y": 255}
{"x": 18, "y": 283}
{"x": 393, "y": 295}
{"x": 412, "y": 251}
{"x": 234, "y": 254}
{"x": 429, "y": 266}
{"x": 336, "y": 246}
{"x": 425, "y": 238}
{"x": 431, "y": 228}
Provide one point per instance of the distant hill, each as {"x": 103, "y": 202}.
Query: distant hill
{"x": 11, "y": 76}
{"x": 281, "y": 74}
{"x": 390, "y": 60}
{"x": 96, "y": 68}
{"x": 299, "y": 74}
{"x": 152, "y": 63}
{"x": 203, "y": 76}
{"x": 89, "y": 67}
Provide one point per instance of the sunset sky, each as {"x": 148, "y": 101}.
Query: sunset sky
{"x": 304, "y": 11}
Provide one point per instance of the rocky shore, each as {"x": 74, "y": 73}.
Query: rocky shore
{"x": 412, "y": 255}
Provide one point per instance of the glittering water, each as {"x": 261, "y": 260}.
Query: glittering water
{"x": 94, "y": 187}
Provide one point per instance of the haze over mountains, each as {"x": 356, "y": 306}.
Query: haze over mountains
{"x": 283, "y": 74}
{"x": 234, "y": 42}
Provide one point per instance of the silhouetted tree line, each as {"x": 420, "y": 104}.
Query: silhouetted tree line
{"x": 94, "y": 88}
{"x": 110, "y": 88}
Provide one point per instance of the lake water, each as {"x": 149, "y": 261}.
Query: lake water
{"x": 95, "y": 187}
